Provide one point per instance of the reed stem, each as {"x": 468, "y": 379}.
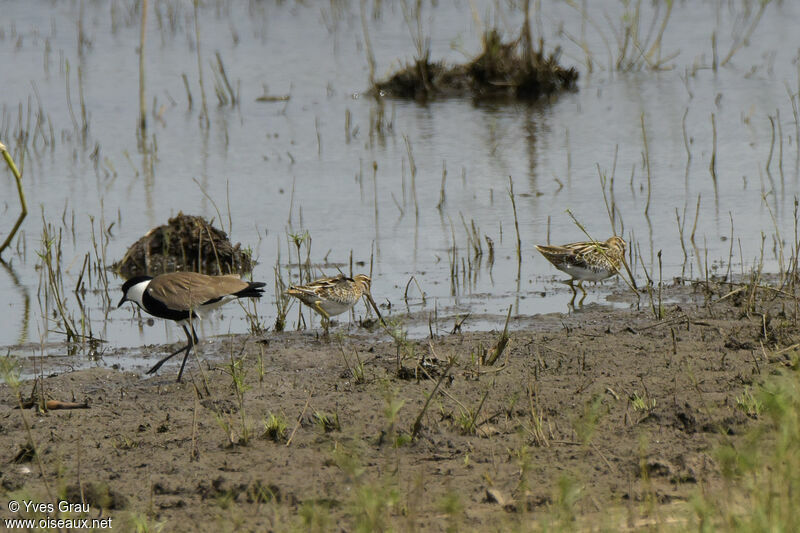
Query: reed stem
{"x": 204, "y": 107}
{"x": 516, "y": 225}
{"x": 20, "y": 192}
{"x": 142, "y": 99}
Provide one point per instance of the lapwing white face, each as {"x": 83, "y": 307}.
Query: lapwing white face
{"x": 133, "y": 290}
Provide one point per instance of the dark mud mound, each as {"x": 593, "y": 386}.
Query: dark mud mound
{"x": 512, "y": 70}
{"x": 185, "y": 242}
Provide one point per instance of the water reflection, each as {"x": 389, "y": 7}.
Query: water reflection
{"x": 26, "y": 303}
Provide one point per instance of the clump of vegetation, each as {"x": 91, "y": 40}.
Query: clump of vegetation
{"x": 326, "y": 421}
{"x": 275, "y": 427}
{"x": 504, "y": 69}
{"x": 185, "y": 242}
{"x": 749, "y": 403}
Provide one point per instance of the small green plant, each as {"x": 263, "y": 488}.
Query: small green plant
{"x": 567, "y": 496}
{"x": 225, "y": 499}
{"x": 391, "y": 409}
{"x": 536, "y": 428}
{"x": 642, "y": 403}
{"x": 451, "y": 505}
{"x": 141, "y": 524}
{"x": 404, "y": 348}
{"x": 282, "y": 300}
{"x": 256, "y": 326}
{"x": 236, "y": 370}
{"x": 50, "y": 262}
{"x": 348, "y": 461}
{"x": 315, "y": 517}
{"x": 477, "y": 355}
{"x": 225, "y": 425}
{"x": 586, "y": 424}
{"x": 749, "y": 404}
{"x": 465, "y": 423}
{"x": 372, "y": 506}
{"x": 122, "y": 442}
{"x": 10, "y": 371}
{"x": 415, "y": 428}
{"x": 761, "y": 470}
{"x": 327, "y": 422}
{"x": 467, "y": 419}
{"x": 357, "y": 369}
{"x": 298, "y": 239}
{"x": 524, "y": 461}
{"x": 275, "y": 427}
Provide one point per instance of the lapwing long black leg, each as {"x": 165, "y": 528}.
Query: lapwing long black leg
{"x": 186, "y": 349}
{"x": 192, "y": 342}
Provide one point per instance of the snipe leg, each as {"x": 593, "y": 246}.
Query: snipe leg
{"x": 571, "y": 283}
{"x": 326, "y": 318}
{"x": 580, "y": 284}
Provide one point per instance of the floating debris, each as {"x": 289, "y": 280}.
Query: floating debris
{"x": 271, "y": 98}
{"x": 512, "y": 70}
{"x": 266, "y": 97}
{"x": 186, "y": 243}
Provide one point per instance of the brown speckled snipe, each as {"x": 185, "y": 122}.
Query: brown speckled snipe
{"x": 587, "y": 260}
{"x": 335, "y": 295}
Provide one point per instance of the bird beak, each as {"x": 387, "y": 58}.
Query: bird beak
{"x": 374, "y": 306}
{"x": 124, "y": 299}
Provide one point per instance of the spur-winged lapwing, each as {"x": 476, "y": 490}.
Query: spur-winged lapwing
{"x": 333, "y": 296}
{"x": 183, "y": 297}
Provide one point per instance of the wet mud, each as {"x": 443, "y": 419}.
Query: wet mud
{"x": 624, "y": 406}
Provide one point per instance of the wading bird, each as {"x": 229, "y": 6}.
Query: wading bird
{"x": 184, "y": 297}
{"x": 333, "y": 296}
{"x": 587, "y": 261}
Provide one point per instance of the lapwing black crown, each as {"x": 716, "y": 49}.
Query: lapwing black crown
{"x": 133, "y": 281}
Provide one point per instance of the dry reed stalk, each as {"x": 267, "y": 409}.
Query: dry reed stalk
{"x": 20, "y": 192}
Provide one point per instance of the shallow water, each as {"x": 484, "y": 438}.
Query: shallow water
{"x": 275, "y": 168}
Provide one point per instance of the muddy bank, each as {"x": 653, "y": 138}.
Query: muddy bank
{"x": 594, "y": 410}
